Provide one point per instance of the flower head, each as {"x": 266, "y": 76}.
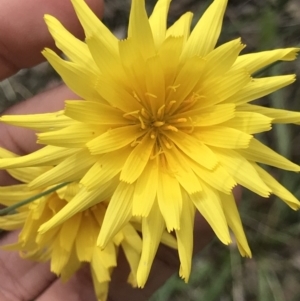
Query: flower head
{"x": 165, "y": 128}
{"x": 72, "y": 243}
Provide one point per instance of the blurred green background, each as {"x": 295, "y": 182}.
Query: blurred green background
{"x": 273, "y": 229}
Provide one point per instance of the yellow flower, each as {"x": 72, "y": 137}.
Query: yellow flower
{"x": 166, "y": 127}
{"x": 73, "y": 242}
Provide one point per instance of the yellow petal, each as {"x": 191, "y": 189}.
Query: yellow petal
{"x": 108, "y": 256}
{"x": 48, "y": 155}
{"x": 71, "y": 267}
{"x": 114, "y": 139}
{"x": 101, "y": 289}
{"x": 158, "y": 21}
{"x": 82, "y": 201}
{"x": 180, "y": 168}
{"x": 185, "y": 237}
{"x": 221, "y": 59}
{"x": 43, "y": 239}
{"x": 10, "y": 195}
{"x": 223, "y": 137}
{"x": 70, "y": 169}
{"x": 119, "y": 212}
{"x": 13, "y": 221}
{"x": 117, "y": 94}
{"x": 249, "y": 122}
{"x": 95, "y": 113}
{"x": 137, "y": 160}
{"x": 169, "y": 54}
{"x": 59, "y": 257}
{"x": 132, "y": 238}
{"x": 155, "y": 83}
{"x": 76, "y": 50}
{"x": 26, "y": 174}
{"x": 94, "y": 27}
{"x": 152, "y": 229}
{"x": 145, "y": 190}
{"x": 194, "y": 149}
{"x": 39, "y": 122}
{"x": 106, "y": 168}
{"x": 101, "y": 272}
{"x": 209, "y": 205}
{"x": 225, "y": 86}
{"x": 4, "y": 153}
{"x": 278, "y": 189}
{"x": 134, "y": 67}
{"x": 212, "y": 115}
{"x": 181, "y": 27}
{"x": 133, "y": 259}
{"x": 68, "y": 192}
{"x": 259, "y": 87}
{"x": 169, "y": 199}
{"x": 69, "y": 231}
{"x": 186, "y": 80}
{"x": 106, "y": 60}
{"x": 218, "y": 177}
{"x": 242, "y": 171}
{"x": 65, "y": 137}
{"x": 139, "y": 29}
{"x": 86, "y": 237}
{"x": 255, "y": 61}
{"x": 81, "y": 80}
{"x": 204, "y": 36}
{"x": 235, "y": 223}
{"x": 277, "y": 115}
{"x": 259, "y": 152}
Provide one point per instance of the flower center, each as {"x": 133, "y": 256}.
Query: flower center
{"x": 169, "y": 117}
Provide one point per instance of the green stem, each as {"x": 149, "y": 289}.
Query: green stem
{"x": 31, "y": 199}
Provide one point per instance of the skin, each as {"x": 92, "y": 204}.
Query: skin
{"x": 23, "y": 35}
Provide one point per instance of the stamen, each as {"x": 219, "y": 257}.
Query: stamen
{"x": 131, "y": 113}
{"x": 166, "y": 142}
{"x": 135, "y": 143}
{"x": 173, "y": 88}
{"x": 187, "y": 104}
{"x": 178, "y": 120}
{"x": 136, "y": 96}
{"x": 156, "y": 154}
{"x": 170, "y": 128}
{"x": 143, "y": 126}
{"x": 160, "y": 111}
{"x": 187, "y": 128}
{"x": 158, "y": 123}
{"x": 150, "y": 95}
{"x": 170, "y": 105}
{"x": 130, "y": 116}
{"x": 144, "y": 113}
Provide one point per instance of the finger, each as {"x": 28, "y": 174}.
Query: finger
{"x": 78, "y": 288}
{"x": 24, "y": 34}
{"x": 21, "y": 279}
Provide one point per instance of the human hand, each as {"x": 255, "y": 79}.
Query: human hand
{"x": 23, "y": 35}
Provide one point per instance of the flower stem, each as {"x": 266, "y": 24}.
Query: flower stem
{"x": 9, "y": 209}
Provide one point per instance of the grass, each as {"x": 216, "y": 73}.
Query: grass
{"x": 273, "y": 229}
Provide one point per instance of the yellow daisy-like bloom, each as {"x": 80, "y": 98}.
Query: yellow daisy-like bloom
{"x": 166, "y": 127}
{"x": 74, "y": 241}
